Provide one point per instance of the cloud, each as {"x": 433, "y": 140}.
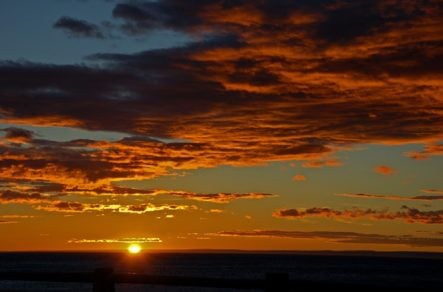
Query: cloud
{"x": 78, "y": 28}
{"x": 146, "y": 208}
{"x": 7, "y": 222}
{"x": 137, "y": 19}
{"x": 41, "y": 191}
{"x": 17, "y": 135}
{"x": 205, "y": 197}
{"x": 340, "y": 237}
{"x": 407, "y": 214}
{"x": 48, "y": 197}
{"x": 428, "y": 151}
{"x": 260, "y": 81}
{"x": 13, "y": 197}
{"x": 322, "y": 163}
{"x": 299, "y": 177}
{"x": 16, "y": 216}
{"x": 77, "y": 207}
{"x": 50, "y": 202}
{"x": 393, "y": 197}
{"x": 222, "y": 198}
{"x": 433, "y": 191}
{"x": 384, "y": 170}
{"x": 119, "y": 240}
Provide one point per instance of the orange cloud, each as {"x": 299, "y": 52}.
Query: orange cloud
{"x": 7, "y": 222}
{"x": 299, "y": 177}
{"x": 47, "y": 197}
{"x": 76, "y": 207}
{"x": 322, "y": 163}
{"x": 428, "y": 151}
{"x": 17, "y": 135}
{"x": 433, "y": 191}
{"x": 409, "y": 215}
{"x": 218, "y": 197}
{"x": 384, "y": 170}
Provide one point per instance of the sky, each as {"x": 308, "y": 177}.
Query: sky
{"x": 221, "y": 124}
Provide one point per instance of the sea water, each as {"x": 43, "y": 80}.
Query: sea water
{"x": 402, "y": 270}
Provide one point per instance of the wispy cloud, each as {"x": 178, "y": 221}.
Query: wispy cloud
{"x": 433, "y": 191}
{"x": 52, "y": 203}
{"x": 218, "y": 197}
{"x": 7, "y": 222}
{"x": 340, "y": 237}
{"x": 429, "y": 151}
{"x": 27, "y": 191}
{"x": 322, "y": 163}
{"x": 78, "y": 28}
{"x": 299, "y": 177}
{"x": 393, "y": 197}
{"x": 76, "y": 207}
{"x": 384, "y": 170}
{"x": 14, "y": 197}
{"x": 119, "y": 240}
{"x": 407, "y": 214}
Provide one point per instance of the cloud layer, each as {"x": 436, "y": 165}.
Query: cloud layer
{"x": 119, "y": 240}
{"x": 407, "y": 214}
{"x": 333, "y": 74}
{"x": 430, "y": 197}
{"x": 341, "y": 237}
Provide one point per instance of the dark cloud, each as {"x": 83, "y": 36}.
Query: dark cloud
{"x": 14, "y": 197}
{"x": 17, "y": 135}
{"x": 77, "y": 207}
{"x": 407, "y": 214}
{"x": 78, "y": 28}
{"x": 138, "y": 20}
{"x": 262, "y": 81}
{"x": 52, "y": 203}
{"x": 341, "y": 237}
{"x": 394, "y": 197}
{"x": 52, "y": 197}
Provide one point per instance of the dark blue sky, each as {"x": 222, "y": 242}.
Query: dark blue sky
{"x": 27, "y": 32}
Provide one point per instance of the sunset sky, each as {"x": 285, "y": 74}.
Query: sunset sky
{"x": 221, "y": 124}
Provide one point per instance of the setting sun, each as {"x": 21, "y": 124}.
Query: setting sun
{"x": 134, "y": 248}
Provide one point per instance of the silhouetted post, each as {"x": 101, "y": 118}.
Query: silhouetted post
{"x": 104, "y": 280}
{"x": 277, "y": 282}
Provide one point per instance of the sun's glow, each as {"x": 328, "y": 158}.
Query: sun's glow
{"x": 134, "y": 248}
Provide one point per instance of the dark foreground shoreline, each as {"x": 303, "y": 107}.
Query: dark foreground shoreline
{"x": 280, "y": 270}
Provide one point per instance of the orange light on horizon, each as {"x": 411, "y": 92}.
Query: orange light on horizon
{"x": 134, "y": 248}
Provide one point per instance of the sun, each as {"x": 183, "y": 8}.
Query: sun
{"x": 134, "y": 248}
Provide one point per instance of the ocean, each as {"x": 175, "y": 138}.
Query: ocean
{"x": 399, "y": 269}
